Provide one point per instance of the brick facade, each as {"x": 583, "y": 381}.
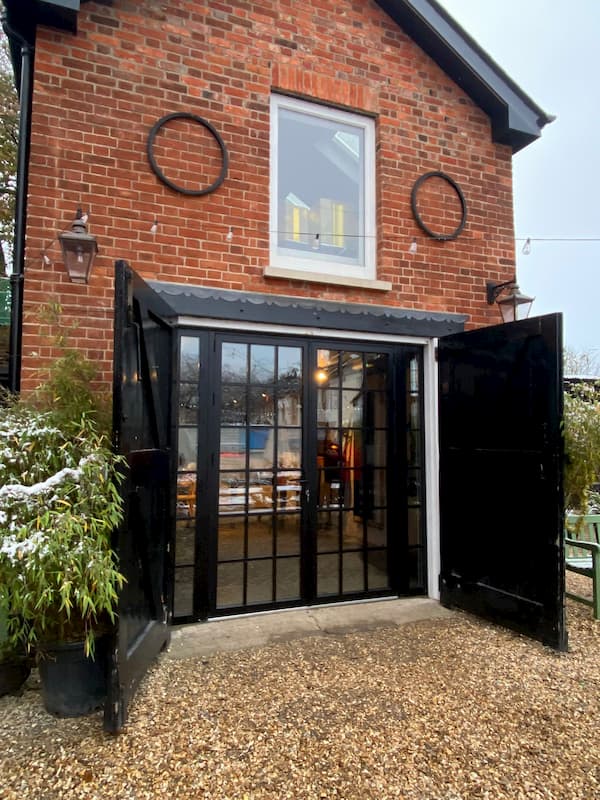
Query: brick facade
{"x": 98, "y": 93}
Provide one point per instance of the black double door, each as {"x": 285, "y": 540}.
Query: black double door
{"x": 299, "y": 472}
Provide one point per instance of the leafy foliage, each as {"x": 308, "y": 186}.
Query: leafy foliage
{"x": 67, "y": 389}
{"x": 582, "y": 444}
{"x": 59, "y": 502}
{"x": 9, "y": 138}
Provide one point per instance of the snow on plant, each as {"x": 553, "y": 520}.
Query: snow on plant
{"x": 59, "y": 503}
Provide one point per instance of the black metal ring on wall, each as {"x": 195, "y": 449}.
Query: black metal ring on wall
{"x": 159, "y": 173}
{"x": 442, "y": 237}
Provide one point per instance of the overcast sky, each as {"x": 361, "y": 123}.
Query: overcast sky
{"x": 551, "y": 49}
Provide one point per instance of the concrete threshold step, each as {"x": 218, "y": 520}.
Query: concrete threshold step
{"x": 256, "y": 630}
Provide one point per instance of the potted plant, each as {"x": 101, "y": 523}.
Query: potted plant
{"x": 15, "y": 665}
{"x": 59, "y": 503}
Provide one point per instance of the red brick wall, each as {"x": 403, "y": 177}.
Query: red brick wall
{"x": 97, "y": 95}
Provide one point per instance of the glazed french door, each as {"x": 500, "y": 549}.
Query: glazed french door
{"x": 299, "y": 477}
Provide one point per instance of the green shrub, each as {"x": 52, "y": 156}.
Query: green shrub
{"x": 582, "y": 445}
{"x": 59, "y": 503}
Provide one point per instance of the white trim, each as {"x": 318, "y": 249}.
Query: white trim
{"x": 432, "y": 467}
{"x": 297, "y": 330}
{"x": 313, "y": 262}
{"x": 331, "y": 280}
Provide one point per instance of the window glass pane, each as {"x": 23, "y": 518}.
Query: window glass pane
{"x": 233, "y": 405}
{"x": 376, "y": 368}
{"x": 352, "y": 532}
{"x": 231, "y": 538}
{"x": 234, "y": 363}
{"x": 289, "y": 405}
{"x": 328, "y": 407}
{"x": 328, "y": 581}
{"x": 233, "y": 448}
{"x": 288, "y": 534}
{"x": 377, "y": 575}
{"x": 188, "y": 448}
{"x": 352, "y": 370}
{"x": 186, "y": 495}
{"x": 261, "y": 410}
{"x": 230, "y": 585}
{"x": 289, "y": 446}
{"x": 376, "y": 530}
{"x": 289, "y": 364}
{"x": 288, "y": 579}
{"x": 378, "y": 478}
{"x": 262, "y": 363}
{"x": 189, "y": 358}
{"x": 375, "y": 448}
{"x": 320, "y": 186}
{"x": 289, "y": 387}
{"x": 327, "y": 374}
{"x": 261, "y": 448}
{"x": 288, "y": 490}
{"x": 185, "y": 534}
{"x": 260, "y": 581}
{"x": 260, "y": 491}
{"x": 260, "y": 536}
{"x": 352, "y": 408}
{"x": 353, "y": 572}
{"x": 183, "y": 592}
{"x": 188, "y": 403}
{"x": 232, "y": 492}
{"x": 328, "y": 531}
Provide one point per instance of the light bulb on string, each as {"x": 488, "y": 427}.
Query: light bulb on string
{"x": 526, "y": 247}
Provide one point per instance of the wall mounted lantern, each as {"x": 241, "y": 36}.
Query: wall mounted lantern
{"x": 513, "y": 305}
{"x": 79, "y": 249}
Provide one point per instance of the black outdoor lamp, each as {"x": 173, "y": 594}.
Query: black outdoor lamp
{"x": 79, "y": 249}
{"x": 513, "y": 305}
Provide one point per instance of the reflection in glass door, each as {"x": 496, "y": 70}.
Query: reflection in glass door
{"x": 299, "y": 473}
{"x": 351, "y": 467}
{"x": 260, "y": 475}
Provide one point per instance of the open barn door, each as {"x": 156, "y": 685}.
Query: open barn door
{"x": 501, "y": 460}
{"x": 141, "y": 401}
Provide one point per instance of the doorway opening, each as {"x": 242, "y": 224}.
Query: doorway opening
{"x": 300, "y": 472}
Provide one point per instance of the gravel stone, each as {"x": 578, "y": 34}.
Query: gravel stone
{"x": 440, "y": 709}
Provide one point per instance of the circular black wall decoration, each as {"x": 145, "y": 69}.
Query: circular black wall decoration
{"x": 443, "y": 237}
{"x": 217, "y": 136}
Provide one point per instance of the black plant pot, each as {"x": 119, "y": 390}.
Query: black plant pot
{"x": 72, "y": 684}
{"x": 13, "y": 674}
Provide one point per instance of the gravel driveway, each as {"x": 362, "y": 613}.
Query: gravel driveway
{"x": 442, "y": 709}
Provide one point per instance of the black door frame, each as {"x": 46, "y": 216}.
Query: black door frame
{"x": 208, "y": 471}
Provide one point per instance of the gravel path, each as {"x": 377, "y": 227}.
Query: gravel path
{"x": 445, "y": 709}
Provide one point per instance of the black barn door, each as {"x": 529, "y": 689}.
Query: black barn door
{"x": 501, "y": 476}
{"x": 141, "y": 400}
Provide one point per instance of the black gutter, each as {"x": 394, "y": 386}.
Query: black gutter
{"x": 18, "y": 272}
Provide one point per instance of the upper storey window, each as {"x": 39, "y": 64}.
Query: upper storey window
{"x": 322, "y": 189}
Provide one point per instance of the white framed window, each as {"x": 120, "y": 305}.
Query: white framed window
{"x": 322, "y": 190}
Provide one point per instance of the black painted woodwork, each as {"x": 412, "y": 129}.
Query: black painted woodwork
{"x": 501, "y": 460}
{"x": 141, "y": 408}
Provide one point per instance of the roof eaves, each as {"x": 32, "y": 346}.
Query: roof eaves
{"x": 516, "y": 119}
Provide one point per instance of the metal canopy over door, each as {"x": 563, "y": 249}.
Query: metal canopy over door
{"x": 501, "y": 459}
{"x": 141, "y": 422}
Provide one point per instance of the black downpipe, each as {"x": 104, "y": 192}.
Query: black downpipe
{"x": 18, "y": 273}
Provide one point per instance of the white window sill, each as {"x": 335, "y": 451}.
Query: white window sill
{"x": 331, "y": 280}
